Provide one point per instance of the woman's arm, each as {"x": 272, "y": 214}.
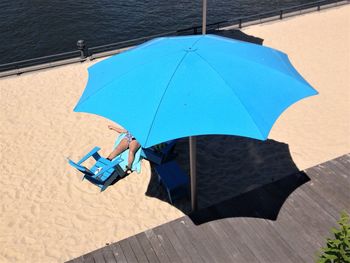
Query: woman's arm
{"x": 117, "y": 129}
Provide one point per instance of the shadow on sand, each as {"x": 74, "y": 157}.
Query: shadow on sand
{"x": 238, "y": 35}
{"x": 236, "y": 177}
{"x": 232, "y": 33}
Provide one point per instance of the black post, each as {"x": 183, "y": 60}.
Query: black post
{"x": 281, "y": 14}
{"x": 82, "y": 48}
{"x": 240, "y": 23}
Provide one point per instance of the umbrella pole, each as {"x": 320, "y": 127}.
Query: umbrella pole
{"x": 204, "y": 19}
{"x": 193, "y": 153}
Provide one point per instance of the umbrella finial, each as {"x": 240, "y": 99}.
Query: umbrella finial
{"x": 204, "y": 19}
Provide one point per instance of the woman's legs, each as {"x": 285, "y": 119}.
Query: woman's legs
{"x": 121, "y": 147}
{"x": 133, "y": 147}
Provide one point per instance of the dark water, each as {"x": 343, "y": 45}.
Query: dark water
{"x": 33, "y": 28}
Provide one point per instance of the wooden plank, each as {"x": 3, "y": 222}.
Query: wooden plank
{"x": 76, "y": 260}
{"x": 210, "y": 242}
{"x": 288, "y": 224}
{"x": 118, "y": 252}
{"x": 215, "y": 240}
{"x": 265, "y": 243}
{"x": 294, "y": 216}
{"x": 167, "y": 245}
{"x": 127, "y": 251}
{"x": 259, "y": 206}
{"x": 178, "y": 228}
{"x": 317, "y": 197}
{"x": 323, "y": 220}
{"x": 177, "y": 244}
{"x": 300, "y": 212}
{"x": 292, "y": 232}
{"x": 239, "y": 250}
{"x": 282, "y": 250}
{"x": 344, "y": 160}
{"x": 336, "y": 175}
{"x": 147, "y": 248}
{"x": 98, "y": 256}
{"x": 108, "y": 254}
{"x": 328, "y": 186}
{"x": 339, "y": 170}
{"x": 345, "y": 169}
{"x": 198, "y": 239}
{"x": 157, "y": 246}
{"x": 297, "y": 213}
{"x": 242, "y": 231}
{"x": 137, "y": 249}
{"x": 89, "y": 258}
{"x": 205, "y": 246}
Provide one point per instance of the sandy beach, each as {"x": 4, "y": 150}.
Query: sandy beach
{"x": 48, "y": 214}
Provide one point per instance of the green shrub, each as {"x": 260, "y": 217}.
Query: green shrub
{"x": 337, "y": 250}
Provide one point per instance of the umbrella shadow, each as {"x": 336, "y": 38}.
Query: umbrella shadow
{"x": 236, "y": 176}
{"x": 263, "y": 202}
{"x": 230, "y": 33}
{"x": 238, "y": 35}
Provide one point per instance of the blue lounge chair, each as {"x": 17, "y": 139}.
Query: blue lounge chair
{"x": 174, "y": 179}
{"x": 103, "y": 172}
{"x": 159, "y": 155}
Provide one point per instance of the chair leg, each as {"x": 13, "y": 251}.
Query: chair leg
{"x": 169, "y": 195}
{"x": 109, "y": 181}
{"x": 159, "y": 179}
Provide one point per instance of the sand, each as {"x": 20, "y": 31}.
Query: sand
{"x": 49, "y": 215}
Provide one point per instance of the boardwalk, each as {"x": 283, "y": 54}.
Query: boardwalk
{"x": 285, "y": 221}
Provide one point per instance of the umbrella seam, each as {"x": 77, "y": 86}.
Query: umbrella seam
{"x": 290, "y": 75}
{"x": 146, "y": 44}
{"x": 161, "y": 99}
{"x": 263, "y": 66}
{"x": 141, "y": 65}
{"x": 160, "y": 102}
{"x": 233, "y": 92}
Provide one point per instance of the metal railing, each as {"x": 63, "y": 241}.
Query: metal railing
{"x": 83, "y": 52}
{"x": 279, "y": 14}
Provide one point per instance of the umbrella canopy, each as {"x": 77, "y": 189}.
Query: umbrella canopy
{"x": 176, "y": 87}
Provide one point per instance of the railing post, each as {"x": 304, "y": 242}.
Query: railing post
{"x": 240, "y": 23}
{"x": 281, "y": 14}
{"x": 318, "y": 7}
{"x": 82, "y": 48}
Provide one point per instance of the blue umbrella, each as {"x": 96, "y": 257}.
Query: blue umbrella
{"x": 175, "y": 87}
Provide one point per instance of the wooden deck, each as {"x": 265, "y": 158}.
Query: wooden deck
{"x": 285, "y": 221}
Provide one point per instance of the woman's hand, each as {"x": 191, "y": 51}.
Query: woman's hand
{"x": 114, "y": 128}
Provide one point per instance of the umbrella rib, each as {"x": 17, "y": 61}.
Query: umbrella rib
{"x": 127, "y": 72}
{"x": 261, "y": 133}
{"x": 161, "y": 99}
{"x": 274, "y": 51}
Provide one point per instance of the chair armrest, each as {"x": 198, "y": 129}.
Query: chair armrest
{"x": 109, "y": 166}
{"x": 88, "y": 155}
{"x": 158, "y": 157}
{"x": 80, "y": 167}
{"x": 169, "y": 147}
